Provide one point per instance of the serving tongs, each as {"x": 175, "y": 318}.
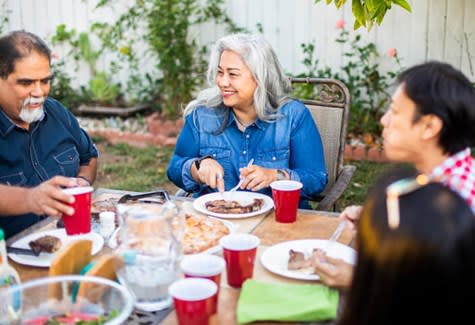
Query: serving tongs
{"x": 163, "y": 194}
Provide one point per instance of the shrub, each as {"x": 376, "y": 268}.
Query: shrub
{"x": 362, "y": 74}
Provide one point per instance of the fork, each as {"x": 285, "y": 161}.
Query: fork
{"x": 336, "y": 234}
{"x": 249, "y": 164}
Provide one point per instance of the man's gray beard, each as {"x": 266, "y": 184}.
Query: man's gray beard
{"x": 28, "y": 115}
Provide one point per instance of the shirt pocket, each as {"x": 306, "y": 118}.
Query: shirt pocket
{"x": 16, "y": 179}
{"x": 68, "y": 162}
{"x": 222, "y": 156}
{"x": 219, "y": 154}
{"x": 273, "y": 158}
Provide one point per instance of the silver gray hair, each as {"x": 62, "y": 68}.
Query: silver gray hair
{"x": 273, "y": 86}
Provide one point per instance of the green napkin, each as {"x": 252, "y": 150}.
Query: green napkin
{"x": 286, "y": 302}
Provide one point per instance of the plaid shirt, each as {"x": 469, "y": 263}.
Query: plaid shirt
{"x": 458, "y": 173}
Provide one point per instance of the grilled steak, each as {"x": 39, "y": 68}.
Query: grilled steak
{"x": 48, "y": 244}
{"x": 227, "y": 207}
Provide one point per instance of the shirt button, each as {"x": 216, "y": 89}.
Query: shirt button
{"x": 273, "y": 158}
{"x": 248, "y": 136}
{"x": 214, "y": 155}
{"x": 244, "y": 152}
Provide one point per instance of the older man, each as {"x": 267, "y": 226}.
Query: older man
{"x": 42, "y": 145}
{"x": 430, "y": 124}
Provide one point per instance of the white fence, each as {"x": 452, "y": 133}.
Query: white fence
{"x": 436, "y": 29}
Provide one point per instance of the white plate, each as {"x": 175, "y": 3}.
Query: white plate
{"x": 276, "y": 257}
{"x": 112, "y": 243}
{"x": 242, "y": 197}
{"x": 45, "y": 259}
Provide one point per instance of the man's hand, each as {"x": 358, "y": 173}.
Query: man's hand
{"x": 48, "y": 198}
{"x": 333, "y": 272}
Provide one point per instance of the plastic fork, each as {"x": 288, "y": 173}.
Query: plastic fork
{"x": 335, "y": 236}
{"x": 249, "y": 164}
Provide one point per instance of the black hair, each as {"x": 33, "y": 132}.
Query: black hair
{"x": 438, "y": 88}
{"x": 17, "y": 45}
{"x": 421, "y": 272}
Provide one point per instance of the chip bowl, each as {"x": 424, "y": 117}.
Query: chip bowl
{"x": 72, "y": 299}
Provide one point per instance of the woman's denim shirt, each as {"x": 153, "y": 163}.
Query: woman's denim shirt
{"x": 291, "y": 143}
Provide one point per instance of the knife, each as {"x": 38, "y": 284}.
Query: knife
{"x": 22, "y": 251}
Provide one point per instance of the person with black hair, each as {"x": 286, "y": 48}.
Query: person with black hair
{"x": 43, "y": 148}
{"x": 430, "y": 124}
{"x": 416, "y": 255}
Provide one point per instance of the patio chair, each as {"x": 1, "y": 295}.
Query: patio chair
{"x": 329, "y": 103}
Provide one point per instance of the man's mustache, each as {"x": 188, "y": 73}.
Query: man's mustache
{"x": 34, "y": 101}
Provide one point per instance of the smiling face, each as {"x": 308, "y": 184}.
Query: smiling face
{"x": 24, "y": 91}
{"x": 235, "y": 81}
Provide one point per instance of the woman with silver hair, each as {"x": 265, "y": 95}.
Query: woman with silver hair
{"x": 246, "y": 115}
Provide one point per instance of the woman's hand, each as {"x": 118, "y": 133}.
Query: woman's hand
{"x": 256, "y": 178}
{"x": 211, "y": 173}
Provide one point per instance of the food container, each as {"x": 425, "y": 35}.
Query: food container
{"x": 66, "y": 299}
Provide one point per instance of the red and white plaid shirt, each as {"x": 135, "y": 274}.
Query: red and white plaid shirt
{"x": 458, "y": 173}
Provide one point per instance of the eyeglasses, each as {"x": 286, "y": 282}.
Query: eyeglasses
{"x": 398, "y": 188}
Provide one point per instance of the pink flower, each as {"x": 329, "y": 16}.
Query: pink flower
{"x": 54, "y": 55}
{"x": 392, "y": 52}
{"x": 340, "y": 23}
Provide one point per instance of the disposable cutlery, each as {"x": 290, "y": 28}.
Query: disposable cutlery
{"x": 334, "y": 237}
{"x": 249, "y": 164}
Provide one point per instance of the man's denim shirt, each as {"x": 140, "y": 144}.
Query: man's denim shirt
{"x": 55, "y": 145}
{"x": 291, "y": 143}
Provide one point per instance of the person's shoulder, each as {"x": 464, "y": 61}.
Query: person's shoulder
{"x": 207, "y": 112}
{"x": 52, "y": 106}
{"x": 293, "y": 106}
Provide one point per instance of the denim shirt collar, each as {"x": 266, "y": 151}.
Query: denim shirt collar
{"x": 7, "y": 125}
{"x": 260, "y": 124}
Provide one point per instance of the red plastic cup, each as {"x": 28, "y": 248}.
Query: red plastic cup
{"x": 80, "y": 221}
{"x": 286, "y": 195}
{"x": 192, "y": 297}
{"x": 239, "y": 251}
{"x": 207, "y": 267}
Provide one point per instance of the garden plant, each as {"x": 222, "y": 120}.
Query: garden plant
{"x": 368, "y": 84}
{"x": 367, "y": 12}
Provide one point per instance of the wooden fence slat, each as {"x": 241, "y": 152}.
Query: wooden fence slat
{"x": 436, "y": 29}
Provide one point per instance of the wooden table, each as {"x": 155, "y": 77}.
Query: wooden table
{"x": 309, "y": 225}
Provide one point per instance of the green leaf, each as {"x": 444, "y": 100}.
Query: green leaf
{"x": 359, "y": 13}
{"x": 370, "y": 5}
{"x": 379, "y": 10}
{"x": 380, "y": 17}
{"x": 339, "y": 3}
{"x": 404, "y": 4}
